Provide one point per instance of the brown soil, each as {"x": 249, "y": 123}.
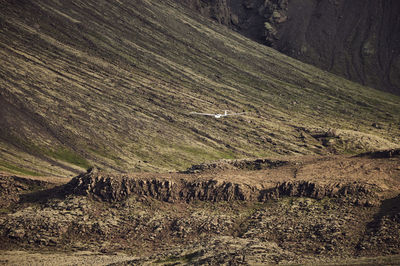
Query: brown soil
{"x": 319, "y": 209}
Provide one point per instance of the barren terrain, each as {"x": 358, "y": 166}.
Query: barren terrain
{"x": 103, "y": 162}
{"x": 336, "y": 209}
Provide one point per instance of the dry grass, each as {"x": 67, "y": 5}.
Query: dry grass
{"x": 113, "y": 84}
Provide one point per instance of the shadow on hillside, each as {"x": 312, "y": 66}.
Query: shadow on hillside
{"x": 388, "y": 208}
{"x": 42, "y": 196}
{"x": 376, "y": 239}
{"x": 383, "y": 154}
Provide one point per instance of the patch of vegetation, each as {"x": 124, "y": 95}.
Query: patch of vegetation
{"x": 23, "y": 144}
{"x": 69, "y": 157}
{"x": 5, "y": 211}
{"x": 206, "y": 154}
{"x": 106, "y": 154}
{"x": 62, "y": 154}
{"x": 17, "y": 170}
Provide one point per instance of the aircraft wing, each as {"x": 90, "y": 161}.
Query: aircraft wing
{"x": 195, "y": 113}
{"x": 236, "y": 113}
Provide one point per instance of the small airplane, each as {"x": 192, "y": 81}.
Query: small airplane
{"x": 217, "y": 115}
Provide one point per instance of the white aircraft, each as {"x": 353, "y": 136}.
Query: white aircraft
{"x": 217, "y": 115}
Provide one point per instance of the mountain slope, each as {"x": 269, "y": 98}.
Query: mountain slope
{"x": 113, "y": 84}
{"x": 358, "y": 39}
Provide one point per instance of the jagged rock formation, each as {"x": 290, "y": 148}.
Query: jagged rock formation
{"x": 114, "y": 188}
{"x": 359, "y": 40}
{"x": 359, "y": 194}
{"x": 228, "y": 213}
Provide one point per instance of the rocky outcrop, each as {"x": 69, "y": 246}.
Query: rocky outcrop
{"x": 210, "y": 222}
{"x": 114, "y": 188}
{"x": 356, "y": 193}
{"x": 257, "y": 164}
{"x": 286, "y": 231}
{"x": 356, "y": 39}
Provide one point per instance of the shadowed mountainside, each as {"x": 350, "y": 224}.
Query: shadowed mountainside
{"x": 357, "y": 39}
{"x": 112, "y": 84}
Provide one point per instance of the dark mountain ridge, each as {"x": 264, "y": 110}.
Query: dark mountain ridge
{"x": 358, "y": 39}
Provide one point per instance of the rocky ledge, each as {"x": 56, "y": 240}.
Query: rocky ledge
{"x": 245, "y": 164}
{"x": 115, "y": 187}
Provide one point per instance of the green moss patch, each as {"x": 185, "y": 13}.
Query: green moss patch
{"x": 69, "y": 157}
{"x": 16, "y": 169}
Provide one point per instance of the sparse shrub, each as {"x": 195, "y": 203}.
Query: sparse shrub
{"x": 331, "y": 133}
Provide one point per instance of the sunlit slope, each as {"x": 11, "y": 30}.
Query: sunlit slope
{"x": 112, "y": 84}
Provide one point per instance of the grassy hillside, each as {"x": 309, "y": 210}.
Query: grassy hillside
{"x": 112, "y": 84}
